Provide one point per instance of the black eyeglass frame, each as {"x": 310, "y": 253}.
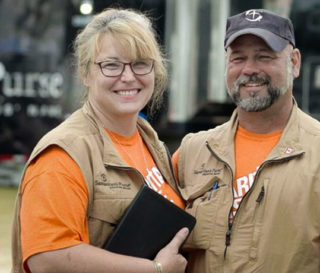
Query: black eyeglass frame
{"x": 124, "y": 66}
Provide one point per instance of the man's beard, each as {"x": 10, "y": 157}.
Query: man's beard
{"x": 255, "y": 103}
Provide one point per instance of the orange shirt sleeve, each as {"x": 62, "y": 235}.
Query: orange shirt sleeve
{"x": 175, "y": 158}
{"x": 54, "y": 204}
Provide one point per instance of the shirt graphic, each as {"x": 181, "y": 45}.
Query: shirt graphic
{"x": 154, "y": 179}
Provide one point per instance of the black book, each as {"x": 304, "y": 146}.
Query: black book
{"x": 149, "y": 224}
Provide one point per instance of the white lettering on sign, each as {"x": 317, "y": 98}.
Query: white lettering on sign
{"x": 44, "y": 110}
{"x": 32, "y": 85}
{"x": 18, "y": 86}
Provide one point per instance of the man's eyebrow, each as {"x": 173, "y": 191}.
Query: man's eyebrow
{"x": 235, "y": 51}
{"x": 258, "y": 50}
{"x": 265, "y": 49}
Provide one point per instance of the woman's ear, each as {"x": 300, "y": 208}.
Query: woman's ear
{"x": 85, "y": 80}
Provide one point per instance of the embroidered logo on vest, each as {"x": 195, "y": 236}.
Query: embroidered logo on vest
{"x": 101, "y": 180}
{"x": 203, "y": 171}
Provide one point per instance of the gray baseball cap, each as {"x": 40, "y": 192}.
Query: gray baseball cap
{"x": 275, "y": 30}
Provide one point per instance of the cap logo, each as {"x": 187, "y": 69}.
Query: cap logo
{"x": 253, "y": 15}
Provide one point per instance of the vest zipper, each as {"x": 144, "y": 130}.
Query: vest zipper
{"x": 259, "y": 199}
{"x": 228, "y": 234}
{"x": 229, "y": 231}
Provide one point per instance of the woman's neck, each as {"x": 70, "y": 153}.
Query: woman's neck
{"x": 124, "y": 125}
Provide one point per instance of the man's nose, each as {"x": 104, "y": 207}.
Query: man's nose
{"x": 250, "y": 67}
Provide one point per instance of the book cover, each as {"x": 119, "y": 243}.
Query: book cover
{"x": 149, "y": 224}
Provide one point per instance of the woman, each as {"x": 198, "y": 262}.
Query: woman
{"x": 83, "y": 174}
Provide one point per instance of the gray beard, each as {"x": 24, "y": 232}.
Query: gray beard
{"x": 255, "y": 103}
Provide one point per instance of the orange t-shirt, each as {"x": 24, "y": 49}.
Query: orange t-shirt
{"x": 250, "y": 151}
{"x": 55, "y": 196}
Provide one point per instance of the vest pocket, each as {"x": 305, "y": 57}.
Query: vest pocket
{"x": 104, "y": 216}
{"x": 204, "y": 208}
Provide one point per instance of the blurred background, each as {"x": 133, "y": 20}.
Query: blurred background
{"x": 38, "y": 88}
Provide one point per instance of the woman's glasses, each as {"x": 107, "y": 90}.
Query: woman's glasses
{"x": 115, "y": 68}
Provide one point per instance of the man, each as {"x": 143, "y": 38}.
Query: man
{"x": 254, "y": 182}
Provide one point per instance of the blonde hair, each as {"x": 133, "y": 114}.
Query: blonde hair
{"x": 134, "y": 31}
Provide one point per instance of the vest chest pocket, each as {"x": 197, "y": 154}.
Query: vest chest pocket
{"x": 104, "y": 216}
{"x": 204, "y": 208}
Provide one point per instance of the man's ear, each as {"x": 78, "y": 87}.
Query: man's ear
{"x": 296, "y": 62}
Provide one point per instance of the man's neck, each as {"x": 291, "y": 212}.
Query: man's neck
{"x": 270, "y": 120}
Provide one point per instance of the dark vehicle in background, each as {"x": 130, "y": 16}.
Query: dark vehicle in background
{"x": 38, "y": 88}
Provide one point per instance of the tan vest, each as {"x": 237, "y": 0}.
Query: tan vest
{"x": 111, "y": 184}
{"x": 278, "y": 232}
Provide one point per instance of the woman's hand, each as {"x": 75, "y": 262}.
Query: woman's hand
{"x": 170, "y": 258}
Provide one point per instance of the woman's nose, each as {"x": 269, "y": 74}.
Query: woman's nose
{"x": 127, "y": 74}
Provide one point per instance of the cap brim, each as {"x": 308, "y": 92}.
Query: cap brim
{"x": 275, "y": 42}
